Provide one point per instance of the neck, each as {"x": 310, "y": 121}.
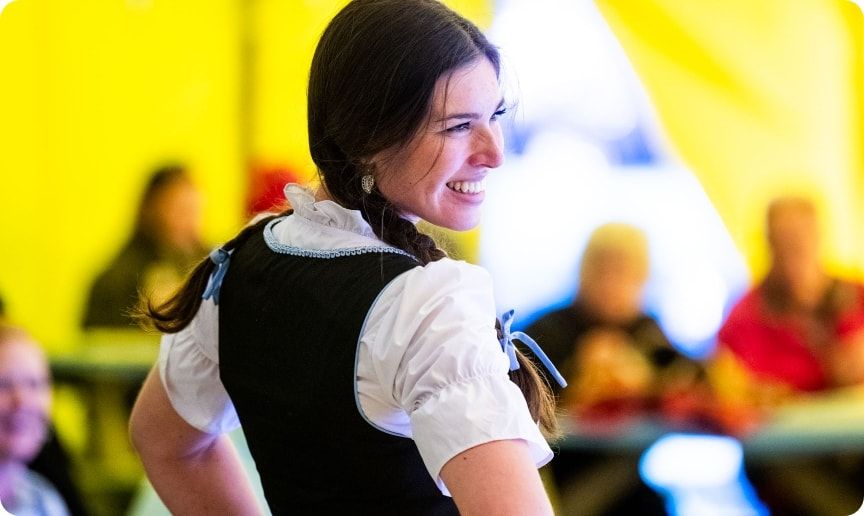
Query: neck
{"x": 321, "y": 194}
{"x": 806, "y": 289}
{"x": 810, "y": 290}
{"x": 609, "y": 312}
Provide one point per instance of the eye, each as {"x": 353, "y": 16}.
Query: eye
{"x": 501, "y": 112}
{"x": 459, "y": 128}
{"x": 37, "y": 384}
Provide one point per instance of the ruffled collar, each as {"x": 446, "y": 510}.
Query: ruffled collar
{"x": 327, "y": 213}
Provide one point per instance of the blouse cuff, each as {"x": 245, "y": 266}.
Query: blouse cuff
{"x": 469, "y": 413}
{"x": 192, "y": 383}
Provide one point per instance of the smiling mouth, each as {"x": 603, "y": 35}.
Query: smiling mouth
{"x": 468, "y": 187}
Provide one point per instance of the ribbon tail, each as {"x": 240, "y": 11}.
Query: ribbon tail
{"x": 214, "y": 283}
{"x": 544, "y": 359}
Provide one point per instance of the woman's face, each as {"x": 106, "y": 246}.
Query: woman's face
{"x": 439, "y": 176}
{"x": 177, "y": 211}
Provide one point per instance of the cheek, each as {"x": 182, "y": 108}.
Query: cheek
{"x": 43, "y": 402}
{"x": 391, "y": 189}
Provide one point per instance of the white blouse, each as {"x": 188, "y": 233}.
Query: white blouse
{"x": 428, "y": 363}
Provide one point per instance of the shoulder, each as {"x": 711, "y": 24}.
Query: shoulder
{"x": 448, "y": 267}
{"x": 648, "y": 326}
{"x": 556, "y": 317}
{"x": 443, "y": 302}
{"x": 747, "y": 306}
{"x": 446, "y": 292}
{"x": 552, "y": 325}
{"x": 42, "y": 496}
{"x": 745, "y": 318}
{"x": 443, "y": 278}
{"x": 855, "y": 289}
{"x": 445, "y": 288}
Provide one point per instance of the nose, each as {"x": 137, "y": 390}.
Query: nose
{"x": 488, "y": 148}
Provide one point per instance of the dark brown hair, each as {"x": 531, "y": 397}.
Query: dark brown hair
{"x": 370, "y": 90}
{"x": 371, "y": 86}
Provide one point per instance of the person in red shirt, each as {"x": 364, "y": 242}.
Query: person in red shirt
{"x": 800, "y": 329}
{"x": 798, "y": 332}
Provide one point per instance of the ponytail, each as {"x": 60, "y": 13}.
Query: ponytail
{"x": 538, "y": 394}
{"x": 177, "y": 312}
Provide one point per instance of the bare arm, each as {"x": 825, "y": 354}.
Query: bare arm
{"x": 498, "y": 478}
{"x": 193, "y": 472}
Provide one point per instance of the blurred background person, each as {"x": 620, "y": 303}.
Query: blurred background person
{"x": 800, "y": 330}
{"x": 165, "y": 244}
{"x": 797, "y": 334}
{"x": 25, "y": 400}
{"x": 52, "y": 461}
{"x": 618, "y": 363}
{"x": 615, "y": 356}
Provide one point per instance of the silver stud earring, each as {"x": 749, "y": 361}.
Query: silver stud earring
{"x": 367, "y": 182}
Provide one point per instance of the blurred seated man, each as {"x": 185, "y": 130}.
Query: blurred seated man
{"x": 615, "y": 356}
{"x": 618, "y": 363}
{"x": 25, "y": 399}
{"x": 799, "y": 330}
{"x": 165, "y": 244}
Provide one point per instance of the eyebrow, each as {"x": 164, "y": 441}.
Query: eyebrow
{"x": 471, "y": 116}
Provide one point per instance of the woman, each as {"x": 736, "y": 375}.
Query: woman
{"x": 164, "y": 245}
{"x": 363, "y": 364}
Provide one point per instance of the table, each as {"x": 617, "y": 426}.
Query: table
{"x": 105, "y": 369}
{"x": 810, "y": 428}
{"x": 107, "y": 355}
{"x": 816, "y": 425}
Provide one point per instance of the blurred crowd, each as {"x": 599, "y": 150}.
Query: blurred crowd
{"x": 38, "y": 476}
{"x": 797, "y": 333}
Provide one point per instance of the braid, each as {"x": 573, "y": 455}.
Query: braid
{"x": 177, "y": 312}
{"x": 397, "y": 231}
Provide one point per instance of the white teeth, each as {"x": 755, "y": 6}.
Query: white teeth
{"x": 468, "y": 186}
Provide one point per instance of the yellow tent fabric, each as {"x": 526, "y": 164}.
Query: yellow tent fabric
{"x": 758, "y": 99}
{"x": 95, "y": 94}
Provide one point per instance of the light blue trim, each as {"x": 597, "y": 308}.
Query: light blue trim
{"x": 222, "y": 259}
{"x": 357, "y": 363}
{"x": 278, "y": 247}
{"x": 507, "y": 345}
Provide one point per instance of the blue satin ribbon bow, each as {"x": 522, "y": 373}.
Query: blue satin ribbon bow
{"x": 221, "y": 258}
{"x": 507, "y": 338}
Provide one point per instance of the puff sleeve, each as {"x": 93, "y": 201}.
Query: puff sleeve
{"x": 189, "y": 369}
{"x": 435, "y": 344}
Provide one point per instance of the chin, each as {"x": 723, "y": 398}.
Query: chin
{"x": 460, "y": 224}
{"x": 458, "y": 220}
